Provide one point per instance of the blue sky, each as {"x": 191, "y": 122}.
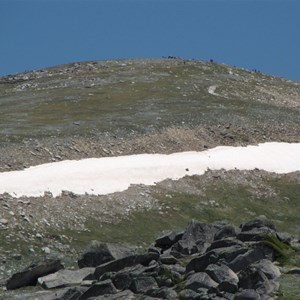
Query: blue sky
{"x": 254, "y": 34}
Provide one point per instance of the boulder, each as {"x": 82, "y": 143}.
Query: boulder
{"x": 199, "y": 264}
{"x": 29, "y": 275}
{"x": 226, "y": 231}
{"x": 176, "y": 268}
{"x": 243, "y": 260}
{"x": 196, "y": 238}
{"x": 268, "y": 268}
{"x": 252, "y": 278}
{"x": 199, "y": 280}
{"x": 168, "y": 259}
{"x": 99, "y": 288}
{"x": 142, "y": 284}
{"x": 226, "y": 242}
{"x": 185, "y": 247}
{"x": 167, "y": 240}
{"x": 154, "y": 249}
{"x": 64, "y": 278}
{"x": 284, "y": 237}
{"x": 70, "y": 293}
{"x": 200, "y": 231}
{"x": 162, "y": 293}
{"x": 227, "y": 279}
{"x": 188, "y": 294}
{"x": 255, "y": 234}
{"x": 128, "y": 261}
{"x": 259, "y": 222}
{"x": 98, "y": 253}
{"x": 123, "y": 279}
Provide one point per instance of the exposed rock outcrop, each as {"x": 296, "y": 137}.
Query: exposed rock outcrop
{"x": 213, "y": 261}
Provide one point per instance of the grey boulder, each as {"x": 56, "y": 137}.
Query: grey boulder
{"x": 199, "y": 280}
{"x": 99, "y": 288}
{"x": 29, "y": 275}
{"x": 97, "y": 253}
{"x": 64, "y": 278}
{"x": 142, "y": 284}
{"x": 224, "y": 276}
{"x": 128, "y": 261}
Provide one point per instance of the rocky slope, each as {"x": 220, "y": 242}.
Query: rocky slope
{"x": 95, "y": 109}
{"x": 205, "y": 261}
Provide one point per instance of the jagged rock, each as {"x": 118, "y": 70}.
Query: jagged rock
{"x": 169, "y": 275}
{"x": 259, "y": 222}
{"x": 252, "y": 278}
{"x": 196, "y": 238}
{"x": 267, "y": 287}
{"x": 158, "y": 274}
{"x": 185, "y": 247}
{"x": 164, "y": 281}
{"x": 154, "y": 250}
{"x": 268, "y": 268}
{"x": 142, "y": 284}
{"x": 247, "y": 294}
{"x": 198, "y": 264}
{"x": 98, "y": 253}
{"x": 226, "y": 231}
{"x": 70, "y": 293}
{"x": 188, "y": 294}
{"x": 29, "y": 275}
{"x": 284, "y": 237}
{"x": 227, "y": 279}
{"x": 220, "y": 295}
{"x": 168, "y": 259}
{"x": 199, "y": 280}
{"x": 162, "y": 293}
{"x": 176, "y": 268}
{"x": 226, "y": 242}
{"x": 128, "y": 261}
{"x": 167, "y": 240}
{"x": 243, "y": 260}
{"x": 255, "y": 234}
{"x": 99, "y": 288}
{"x": 64, "y": 278}
{"x": 123, "y": 279}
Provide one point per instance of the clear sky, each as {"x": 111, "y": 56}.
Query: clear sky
{"x": 254, "y": 34}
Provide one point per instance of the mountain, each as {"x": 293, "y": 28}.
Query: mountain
{"x": 109, "y": 108}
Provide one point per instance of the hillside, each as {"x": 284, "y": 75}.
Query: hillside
{"x": 112, "y": 108}
{"x": 181, "y": 105}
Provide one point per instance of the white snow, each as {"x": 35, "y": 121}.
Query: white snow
{"x": 113, "y": 174}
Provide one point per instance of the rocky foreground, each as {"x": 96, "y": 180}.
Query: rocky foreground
{"x": 205, "y": 261}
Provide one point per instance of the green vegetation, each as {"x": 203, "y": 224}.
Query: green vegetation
{"x": 235, "y": 203}
{"x": 284, "y": 253}
{"x": 139, "y": 97}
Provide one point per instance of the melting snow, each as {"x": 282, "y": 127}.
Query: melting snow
{"x": 113, "y": 174}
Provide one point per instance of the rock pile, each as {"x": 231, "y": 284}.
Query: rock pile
{"x": 205, "y": 261}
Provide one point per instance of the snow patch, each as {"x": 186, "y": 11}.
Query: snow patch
{"x": 113, "y": 174}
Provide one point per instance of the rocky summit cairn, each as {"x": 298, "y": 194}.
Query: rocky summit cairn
{"x": 205, "y": 261}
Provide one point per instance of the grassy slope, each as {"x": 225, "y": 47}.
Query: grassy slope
{"x": 131, "y": 95}
{"x": 137, "y": 96}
